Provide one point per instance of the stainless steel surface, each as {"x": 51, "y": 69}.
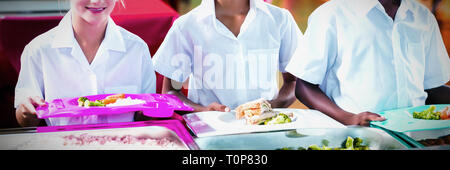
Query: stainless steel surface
{"x": 427, "y": 134}
{"x": 376, "y": 139}
{"x": 156, "y": 137}
{"x": 416, "y": 136}
{"x": 18, "y": 130}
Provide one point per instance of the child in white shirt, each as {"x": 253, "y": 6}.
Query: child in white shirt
{"x": 86, "y": 54}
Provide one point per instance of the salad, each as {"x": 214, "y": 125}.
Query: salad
{"x": 431, "y": 114}
{"x": 112, "y": 100}
{"x": 349, "y": 144}
{"x": 280, "y": 118}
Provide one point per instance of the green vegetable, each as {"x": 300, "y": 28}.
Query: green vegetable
{"x": 301, "y": 148}
{"x": 81, "y": 101}
{"x": 358, "y": 142}
{"x": 279, "y": 119}
{"x": 325, "y": 142}
{"x": 84, "y": 102}
{"x": 314, "y": 147}
{"x": 348, "y": 144}
{"x": 96, "y": 103}
{"x": 286, "y": 148}
{"x": 428, "y": 114}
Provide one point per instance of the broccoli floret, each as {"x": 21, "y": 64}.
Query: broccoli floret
{"x": 325, "y": 142}
{"x": 286, "y": 148}
{"x": 348, "y": 143}
{"x": 314, "y": 147}
{"x": 301, "y": 148}
{"x": 82, "y": 100}
{"x": 357, "y": 142}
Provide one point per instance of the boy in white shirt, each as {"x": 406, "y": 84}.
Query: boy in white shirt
{"x": 86, "y": 54}
{"x": 365, "y": 56}
{"x": 231, "y": 51}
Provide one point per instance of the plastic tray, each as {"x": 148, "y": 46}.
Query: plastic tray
{"x": 156, "y": 105}
{"x": 401, "y": 120}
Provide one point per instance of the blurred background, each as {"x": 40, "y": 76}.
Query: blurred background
{"x": 22, "y": 20}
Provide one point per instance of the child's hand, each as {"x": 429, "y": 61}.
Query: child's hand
{"x": 364, "y": 118}
{"x": 217, "y": 107}
{"x": 26, "y": 112}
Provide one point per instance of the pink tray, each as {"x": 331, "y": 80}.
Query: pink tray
{"x": 174, "y": 125}
{"x": 156, "y": 105}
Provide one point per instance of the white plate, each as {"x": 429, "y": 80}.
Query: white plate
{"x": 214, "y": 123}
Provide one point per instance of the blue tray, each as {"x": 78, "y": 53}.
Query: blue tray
{"x": 401, "y": 120}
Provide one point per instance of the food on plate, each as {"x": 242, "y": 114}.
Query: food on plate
{"x": 349, "y": 144}
{"x": 259, "y": 112}
{"x": 445, "y": 113}
{"x": 112, "y": 100}
{"x": 280, "y": 118}
{"x": 443, "y": 140}
{"x": 431, "y": 114}
{"x": 254, "y": 108}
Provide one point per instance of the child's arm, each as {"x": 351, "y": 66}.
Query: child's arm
{"x": 286, "y": 94}
{"x": 28, "y": 92}
{"x": 169, "y": 89}
{"x": 313, "y": 97}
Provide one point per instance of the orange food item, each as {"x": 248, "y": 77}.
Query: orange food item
{"x": 116, "y": 96}
{"x": 445, "y": 113}
{"x": 113, "y": 98}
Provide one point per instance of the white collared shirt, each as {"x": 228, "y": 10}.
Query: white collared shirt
{"x": 365, "y": 61}
{"x": 224, "y": 68}
{"x": 53, "y": 66}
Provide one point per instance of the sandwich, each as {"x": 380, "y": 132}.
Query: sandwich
{"x": 260, "y": 112}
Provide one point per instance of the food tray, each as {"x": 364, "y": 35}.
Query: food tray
{"x": 169, "y": 132}
{"x": 215, "y": 123}
{"x": 376, "y": 139}
{"x": 156, "y": 105}
{"x": 401, "y": 120}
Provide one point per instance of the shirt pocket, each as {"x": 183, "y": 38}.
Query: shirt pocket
{"x": 122, "y": 89}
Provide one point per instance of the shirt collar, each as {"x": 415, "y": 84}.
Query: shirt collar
{"x": 207, "y": 7}
{"x": 65, "y": 37}
{"x": 364, "y": 6}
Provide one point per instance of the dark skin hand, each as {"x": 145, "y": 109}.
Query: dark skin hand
{"x": 438, "y": 95}
{"x": 313, "y": 97}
